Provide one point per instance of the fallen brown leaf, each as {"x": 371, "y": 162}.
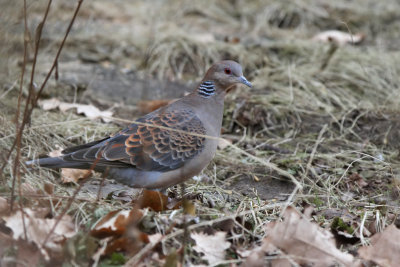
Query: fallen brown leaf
{"x": 224, "y": 143}
{"x": 28, "y": 189}
{"x": 28, "y": 254}
{"x": 49, "y": 104}
{"x": 254, "y": 258}
{"x": 116, "y": 222}
{"x": 5, "y": 243}
{"x": 37, "y": 228}
{"x": 119, "y": 232}
{"x": 155, "y": 238}
{"x": 73, "y": 175}
{"x": 130, "y": 244}
{"x": 3, "y": 205}
{"x": 384, "y": 249}
{"x": 89, "y": 111}
{"x": 70, "y": 175}
{"x": 304, "y": 242}
{"x": 211, "y": 246}
{"x": 152, "y": 199}
{"x": 357, "y": 180}
{"x": 100, "y": 251}
{"x": 56, "y": 152}
{"x": 339, "y": 37}
{"x": 48, "y": 188}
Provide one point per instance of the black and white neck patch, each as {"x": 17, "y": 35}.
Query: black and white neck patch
{"x": 206, "y": 89}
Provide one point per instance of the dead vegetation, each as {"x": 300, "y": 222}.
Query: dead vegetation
{"x": 319, "y": 132}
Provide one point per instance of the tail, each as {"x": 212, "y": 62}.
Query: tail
{"x": 56, "y": 163}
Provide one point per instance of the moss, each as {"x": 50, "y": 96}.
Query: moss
{"x": 339, "y": 225}
{"x": 317, "y": 202}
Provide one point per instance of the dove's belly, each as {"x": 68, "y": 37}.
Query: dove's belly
{"x": 160, "y": 180}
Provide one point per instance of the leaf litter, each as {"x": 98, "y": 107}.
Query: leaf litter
{"x": 384, "y": 249}
{"x": 89, "y": 111}
{"x": 212, "y": 247}
{"x": 33, "y": 227}
{"x": 300, "y": 241}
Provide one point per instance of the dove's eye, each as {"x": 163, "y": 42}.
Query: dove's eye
{"x": 227, "y": 71}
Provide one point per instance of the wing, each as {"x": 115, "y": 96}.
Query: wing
{"x": 149, "y": 147}
{"x": 80, "y": 147}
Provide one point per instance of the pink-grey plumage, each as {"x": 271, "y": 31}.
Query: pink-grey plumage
{"x": 147, "y": 156}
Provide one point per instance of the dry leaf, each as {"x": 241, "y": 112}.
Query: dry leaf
{"x": 155, "y": 238}
{"x": 254, "y": 258}
{"x": 89, "y": 111}
{"x": 28, "y": 189}
{"x": 70, "y": 175}
{"x": 3, "y": 205}
{"x": 56, "y": 152}
{"x": 121, "y": 232}
{"x": 26, "y": 253}
{"x": 157, "y": 201}
{"x": 153, "y": 199}
{"x": 37, "y": 229}
{"x": 48, "y": 188}
{"x": 339, "y": 37}
{"x": 73, "y": 175}
{"x": 115, "y": 223}
{"x": 92, "y": 112}
{"x": 358, "y": 180}
{"x": 5, "y": 243}
{"x": 224, "y": 143}
{"x": 49, "y": 104}
{"x": 305, "y": 242}
{"x": 100, "y": 251}
{"x": 212, "y": 246}
{"x": 384, "y": 249}
{"x": 131, "y": 242}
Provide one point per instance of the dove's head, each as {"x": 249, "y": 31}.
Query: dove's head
{"x": 225, "y": 74}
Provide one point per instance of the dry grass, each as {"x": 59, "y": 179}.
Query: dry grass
{"x": 332, "y": 108}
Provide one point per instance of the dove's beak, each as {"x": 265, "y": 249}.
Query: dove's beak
{"x": 243, "y": 80}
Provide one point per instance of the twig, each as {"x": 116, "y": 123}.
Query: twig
{"x": 103, "y": 178}
{"x": 274, "y": 148}
{"x": 59, "y": 51}
{"x": 16, "y": 167}
{"x": 44, "y": 83}
{"x": 47, "y": 197}
{"x": 314, "y": 150}
{"x": 325, "y": 62}
{"x": 35, "y": 99}
{"x": 185, "y": 223}
{"x": 20, "y": 128}
{"x": 362, "y": 225}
